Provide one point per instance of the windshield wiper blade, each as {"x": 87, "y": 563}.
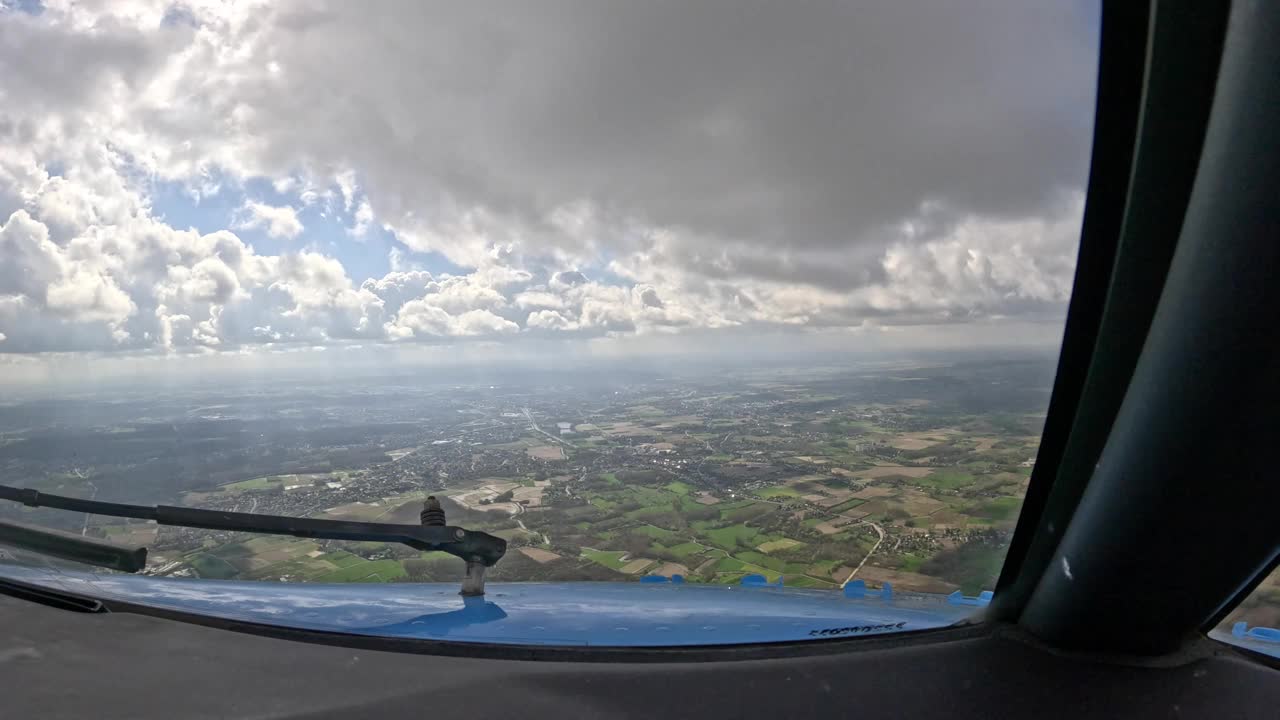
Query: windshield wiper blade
{"x": 72, "y": 547}
{"x": 479, "y": 550}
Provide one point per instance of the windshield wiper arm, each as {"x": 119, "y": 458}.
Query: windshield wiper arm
{"x": 72, "y": 547}
{"x": 479, "y": 550}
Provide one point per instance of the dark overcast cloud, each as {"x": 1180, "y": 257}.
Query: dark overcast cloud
{"x": 622, "y": 165}
{"x": 802, "y": 124}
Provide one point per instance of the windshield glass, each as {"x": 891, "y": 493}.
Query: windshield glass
{"x": 659, "y": 295}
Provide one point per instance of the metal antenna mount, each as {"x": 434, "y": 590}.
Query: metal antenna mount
{"x": 432, "y": 515}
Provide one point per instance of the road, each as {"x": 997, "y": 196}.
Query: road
{"x": 520, "y": 509}
{"x": 85, "y": 530}
{"x": 534, "y": 424}
{"x": 880, "y": 532}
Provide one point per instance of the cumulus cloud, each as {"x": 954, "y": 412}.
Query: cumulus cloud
{"x": 363, "y": 220}
{"x": 419, "y": 319}
{"x": 281, "y": 222}
{"x": 548, "y": 320}
{"x": 738, "y": 128}
{"x": 586, "y": 169}
{"x": 567, "y": 279}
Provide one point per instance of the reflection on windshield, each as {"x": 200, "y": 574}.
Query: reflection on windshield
{"x": 475, "y": 611}
{"x": 566, "y": 614}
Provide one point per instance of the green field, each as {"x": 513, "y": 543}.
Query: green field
{"x": 343, "y": 559}
{"x": 262, "y": 483}
{"x": 821, "y": 568}
{"x": 267, "y": 543}
{"x": 946, "y": 479}
{"x": 650, "y": 496}
{"x": 365, "y": 571}
{"x": 684, "y": 550}
{"x": 849, "y": 504}
{"x": 645, "y": 512}
{"x": 680, "y": 488}
{"x": 656, "y": 533}
{"x": 1001, "y": 508}
{"x": 211, "y": 566}
{"x": 762, "y": 560}
{"x": 511, "y": 534}
{"x": 778, "y": 491}
{"x": 734, "y": 576}
{"x": 804, "y": 581}
{"x": 231, "y": 550}
{"x": 729, "y": 565}
{"x": 748, "y": 513}
{"x": 611, "y": 559}
{"x": 688, "y": 504}
{"x": 781, "y": 544}
{"x": 729, "y": 537}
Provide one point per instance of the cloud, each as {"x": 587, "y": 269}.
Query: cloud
{"x": 738, "y": 132}
{"x": 649, "y": 297}
{"x": 280, "y": 222}
{"x": 539, "y": 298}
{"x": 588, "y": 169}
{"x": 421, "y": 320}
{"x": 363, "y": 220}
{"x": 568, "y": 278}
{"x": 549, "y": 320}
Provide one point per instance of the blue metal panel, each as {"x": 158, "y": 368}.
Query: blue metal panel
{"x": 1259, "y": 633}
{"x": 754, "y": 580}
{"x": 982, "y": 600}
{"x": 1258, "y": 639}
{"x": 858, "y": 589}
{"x": 598, "y": 614}
{"x": 1248, "y": 640}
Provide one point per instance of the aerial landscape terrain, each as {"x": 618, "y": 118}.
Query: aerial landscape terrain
{"x": 909, "y": 472}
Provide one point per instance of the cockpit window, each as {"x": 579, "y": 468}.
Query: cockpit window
{"x": 724, "y": 324}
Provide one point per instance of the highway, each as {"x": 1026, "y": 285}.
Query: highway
{"x": 534, "y": 424}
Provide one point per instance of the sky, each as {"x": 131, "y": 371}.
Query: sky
{"x": 199, "y": 184}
